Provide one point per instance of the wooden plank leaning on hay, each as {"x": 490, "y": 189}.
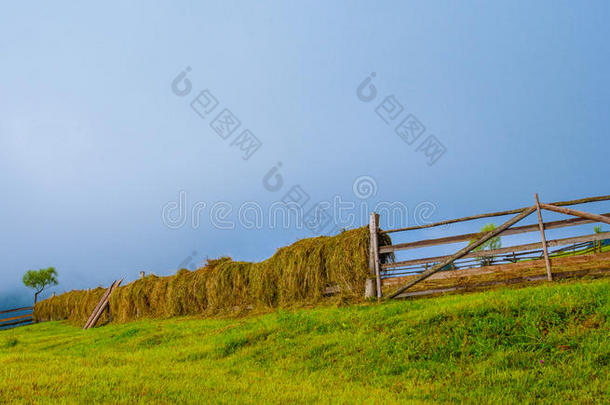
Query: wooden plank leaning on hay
{"x": 526, "y": 212}
{"x": 547, "y": 262}
{"x": 508, "y": 249}
{"x": 470, "y": 236}
{"x": 99, "y": 304}
{"x": 102, "y": 305}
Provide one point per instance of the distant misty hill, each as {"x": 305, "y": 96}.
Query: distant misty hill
{"x": 12, "y": 300}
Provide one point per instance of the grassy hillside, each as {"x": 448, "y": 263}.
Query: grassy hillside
{"x": 545, "y": 343}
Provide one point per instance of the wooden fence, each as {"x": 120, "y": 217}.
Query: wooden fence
{"x": 416, "y": 270}
{"x": 25, "y": 317}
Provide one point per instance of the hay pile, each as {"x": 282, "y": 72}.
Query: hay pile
{"x": 297, "y": 274}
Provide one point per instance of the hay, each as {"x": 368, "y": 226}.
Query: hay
{"x": 298, "y": 274}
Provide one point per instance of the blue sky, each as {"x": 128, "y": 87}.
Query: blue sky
{"x": 94, "y": 142}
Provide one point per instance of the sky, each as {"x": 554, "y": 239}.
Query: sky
{"x": 101, "y": 138}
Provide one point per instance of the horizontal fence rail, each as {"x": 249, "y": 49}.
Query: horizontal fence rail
{"x": 508, "y": 249}
{"x": 497, "y": 214}
{"x": 470, "y": 257}
{"x": 470, "y": 236}
{"x": 16, "y": 320}
{"x": 513, "y": 257}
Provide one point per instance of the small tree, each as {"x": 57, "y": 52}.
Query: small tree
{"x": 491, "y": 244}
{"x": 597, "y": 229}
{"x": 38, "y": 280}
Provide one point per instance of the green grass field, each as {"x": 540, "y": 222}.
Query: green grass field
{"x": 547, "y": 343}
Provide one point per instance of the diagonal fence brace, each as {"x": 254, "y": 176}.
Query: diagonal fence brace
{"x": 464, "y": 251}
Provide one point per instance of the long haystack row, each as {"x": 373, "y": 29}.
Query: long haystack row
{"x": 297, "y": 274}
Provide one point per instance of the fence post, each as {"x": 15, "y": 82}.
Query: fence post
{"x": 547, "y": 262}
{"x": 373, "y": 282}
